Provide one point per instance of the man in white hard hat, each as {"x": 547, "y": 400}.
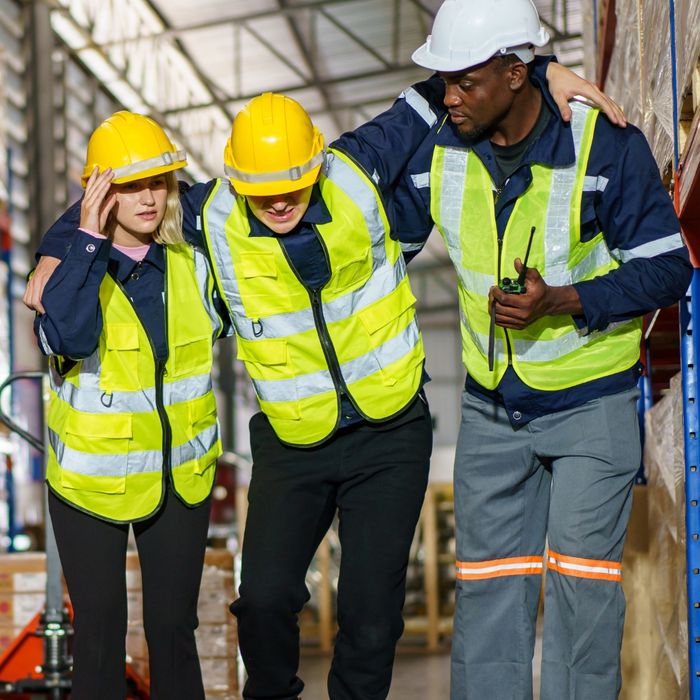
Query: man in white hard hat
{"x": 549, "y": 442}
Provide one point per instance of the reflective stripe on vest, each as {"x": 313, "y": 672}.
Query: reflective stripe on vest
{"x": 363, "y": 323}
{"x": 105, "y": 427}
{"x": 551, "y": 353}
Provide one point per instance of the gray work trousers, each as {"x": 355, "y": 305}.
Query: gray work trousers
{"x": 566, "y": 477}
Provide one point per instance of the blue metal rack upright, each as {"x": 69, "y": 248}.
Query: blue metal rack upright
{"x": 690, "y": 355}
{"x": 687, "y": 208}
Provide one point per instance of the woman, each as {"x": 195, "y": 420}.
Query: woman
{"x": 132, "y": 421}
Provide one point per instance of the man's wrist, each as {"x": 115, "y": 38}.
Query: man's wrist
{"x": 563, "y": 301}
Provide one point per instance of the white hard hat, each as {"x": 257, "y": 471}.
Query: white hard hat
{"x": 469, "y": 32}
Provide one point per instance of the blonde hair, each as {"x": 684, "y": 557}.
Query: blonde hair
{"x": 169, "y": 232}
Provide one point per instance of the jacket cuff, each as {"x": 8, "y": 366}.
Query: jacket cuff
{"x": 595, "y": 316}
{"x": 85, "y": 247}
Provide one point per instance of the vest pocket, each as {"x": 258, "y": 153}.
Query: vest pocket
{"x": 386, "y": 311}
{"x": 96, "y": 449}
{"x": 191, "y": 357}
{"x": 263, "y": 291}
{"x": 119, "y": 370}
{"x": 205, "y": 429}
{"x": 353, "y": 273}
{"x": 262, "y": 353}
{"x": 288, "y": 410}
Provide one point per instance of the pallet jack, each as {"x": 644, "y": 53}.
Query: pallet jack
{"x": 38, "y": 663}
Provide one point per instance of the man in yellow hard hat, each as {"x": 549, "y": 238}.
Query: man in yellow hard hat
{"x": 316, "y": 288}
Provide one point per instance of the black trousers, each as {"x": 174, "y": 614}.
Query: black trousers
{"x": 375, "y": 477}
{"x": 171, "y": 548}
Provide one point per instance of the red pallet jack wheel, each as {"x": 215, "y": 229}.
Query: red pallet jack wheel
{"x": 38, "y": 663}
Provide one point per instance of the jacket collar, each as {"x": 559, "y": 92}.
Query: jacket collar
{"x": 123, "y": 266}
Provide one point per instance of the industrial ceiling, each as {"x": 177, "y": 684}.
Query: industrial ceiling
{"x": 193, "y": 63}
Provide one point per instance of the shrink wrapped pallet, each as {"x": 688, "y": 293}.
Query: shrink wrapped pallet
{"x": 687, "y": 42}
{"x": 640, "y": 73}
{"x": 664, "y": 464}
{"x": 623, "y": 82}
{"x": 636, "y": 570}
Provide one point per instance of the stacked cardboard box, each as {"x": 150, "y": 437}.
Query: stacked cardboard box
{"x": 22, "y": 592}
{"x": 216, "y": 636}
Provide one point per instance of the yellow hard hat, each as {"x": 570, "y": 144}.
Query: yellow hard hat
{"x": 134, "y": 146}
{"x": 273, "y": 147}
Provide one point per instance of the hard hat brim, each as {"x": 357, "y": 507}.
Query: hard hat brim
{"x": 262, "y": 189}
{"x": 151, "y": 172}
{"x": 423, "y": 57}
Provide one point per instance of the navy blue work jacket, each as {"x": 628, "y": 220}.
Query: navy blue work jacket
{"x": 629, "y": 205}
{"x": 72, "y": 323}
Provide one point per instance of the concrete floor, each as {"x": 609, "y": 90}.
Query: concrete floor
{"x": 416, "y": 676}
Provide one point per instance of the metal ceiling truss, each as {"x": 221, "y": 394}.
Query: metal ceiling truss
{"x": 144, "y": 62}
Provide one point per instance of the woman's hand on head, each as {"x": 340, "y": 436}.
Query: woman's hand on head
{"x": 97, "y": 201}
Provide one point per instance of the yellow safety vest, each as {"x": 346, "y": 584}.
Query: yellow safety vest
{"x": 357, "y": 336}
{"x": 122, "y": 423}
{"x": 550, "y": 353}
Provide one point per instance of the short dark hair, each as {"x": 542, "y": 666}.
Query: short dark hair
{"x": 504, "y": 61}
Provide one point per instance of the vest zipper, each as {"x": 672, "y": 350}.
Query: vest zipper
{"x": 321, "y": 327}
{"x": 159, "y": 374}
{"x": 161, "y": 371}
{"x": 327, "y": 344}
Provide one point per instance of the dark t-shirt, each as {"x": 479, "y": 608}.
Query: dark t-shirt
{"x": 508, "y": 158}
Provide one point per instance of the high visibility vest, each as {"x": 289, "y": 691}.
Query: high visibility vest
{"x": 357, "y": 336}
{"x": 550, "y": 353}
{"x": 121, "y": 423}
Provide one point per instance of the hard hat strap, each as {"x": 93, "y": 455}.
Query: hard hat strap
{"x": 292, "y": 174}
{"x": 166, "y": 158}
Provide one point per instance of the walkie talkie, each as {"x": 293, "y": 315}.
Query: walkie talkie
{"x": 518, "y": 286}
{"x": 510, "y": 286}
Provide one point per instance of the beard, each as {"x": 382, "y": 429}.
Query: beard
{"x": 475, "y": 133}
{"x": 471, "y": 133}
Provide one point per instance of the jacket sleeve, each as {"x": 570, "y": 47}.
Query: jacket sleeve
{"x": 641, "y": 231}
{"x": 57, "y": 240}
{"x": 383, "y": 145}
{"x": 72, "y": 323}
{"x": 192, "y": 198}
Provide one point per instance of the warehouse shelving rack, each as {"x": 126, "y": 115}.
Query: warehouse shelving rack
{"x": 686, "y": 176}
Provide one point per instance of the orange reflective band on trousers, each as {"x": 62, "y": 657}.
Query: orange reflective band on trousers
{"x": 494, "y": 568}
{"x": 584, "y": 568}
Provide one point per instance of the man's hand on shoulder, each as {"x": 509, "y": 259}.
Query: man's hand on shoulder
{"x": 37, "y": 282}
{"x": 565, "y": 85}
